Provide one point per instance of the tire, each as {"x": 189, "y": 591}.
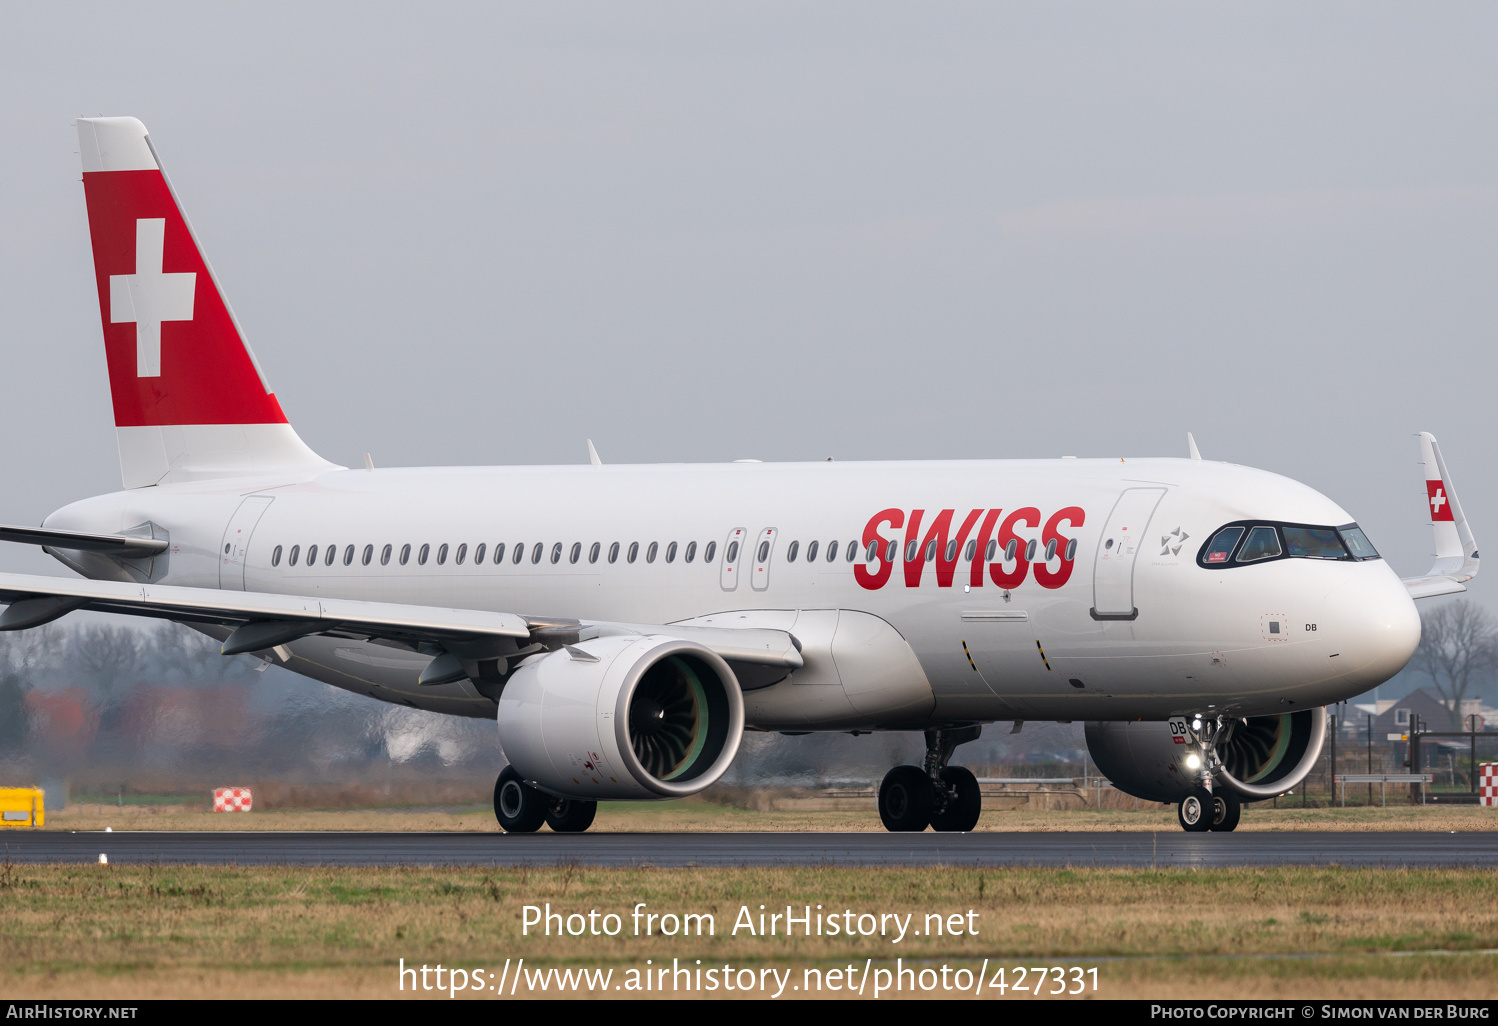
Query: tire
{"x": 1195, "y": 811}
{"x": 519, "y": 807}
{"x": 1227, "y": 810}
{"x": 905, "y": 800}
{"x": 570, "y": 815}
{"x": 961, "y": 814}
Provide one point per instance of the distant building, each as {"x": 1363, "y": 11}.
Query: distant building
{"x": 1394, "y": 716}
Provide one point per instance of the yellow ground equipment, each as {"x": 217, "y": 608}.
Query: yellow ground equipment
{"x": 22, "y": 807}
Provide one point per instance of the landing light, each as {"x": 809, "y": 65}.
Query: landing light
{"x": 1193, "y": 761}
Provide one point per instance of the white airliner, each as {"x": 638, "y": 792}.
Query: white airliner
{"x": 625, "y": 624}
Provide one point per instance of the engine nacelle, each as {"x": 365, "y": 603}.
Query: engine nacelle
{"x": 1259, "y": 757}
{"x": 622, "y": 718}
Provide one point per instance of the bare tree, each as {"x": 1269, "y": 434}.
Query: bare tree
{"x": 1458, "y": 650}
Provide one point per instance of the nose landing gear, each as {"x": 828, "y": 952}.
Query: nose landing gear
{"x": 934, "y": 794}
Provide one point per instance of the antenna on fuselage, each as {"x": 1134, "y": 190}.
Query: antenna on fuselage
{"x": 593, "y": 455}
{"x": 1193, "y": 451}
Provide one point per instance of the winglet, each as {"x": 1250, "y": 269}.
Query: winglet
{"x": 1456, "y": 559}
{"x": 593, "y": 455}
{"x": 1191, "y": 447}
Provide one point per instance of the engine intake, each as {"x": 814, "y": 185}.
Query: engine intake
{"x": 623, "y": 718}
{"x": 1260, "y": 757}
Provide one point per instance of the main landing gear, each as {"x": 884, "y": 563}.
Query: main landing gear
{"x": 521, "y": 808}
{"x": 943, "y": 797}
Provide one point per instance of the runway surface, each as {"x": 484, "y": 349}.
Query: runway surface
{"x": 1388, "y": 849}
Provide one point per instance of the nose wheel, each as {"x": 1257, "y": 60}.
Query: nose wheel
{"x": 1195, "y": 811}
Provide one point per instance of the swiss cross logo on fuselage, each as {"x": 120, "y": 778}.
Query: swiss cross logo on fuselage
{"x": 149, "y": 296}
{"x": 989, "y": 540}
{"x": 1440, "y": 505}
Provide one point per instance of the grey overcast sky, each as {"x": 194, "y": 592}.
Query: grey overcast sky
{"x": 698, "y": 232}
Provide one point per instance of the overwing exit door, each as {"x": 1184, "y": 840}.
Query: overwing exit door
{"x": 235, "y": 546}
{"x": 1117, "y": 549}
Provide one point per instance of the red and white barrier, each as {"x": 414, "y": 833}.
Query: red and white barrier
{"x": 232, "y": 799}
{"x": 1487, "y": 786}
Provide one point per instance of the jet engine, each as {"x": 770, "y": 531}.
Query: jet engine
{"x": 1257, "y": 757}
{"x": 630, "y": 717}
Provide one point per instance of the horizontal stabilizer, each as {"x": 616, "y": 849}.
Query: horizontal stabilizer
{"x": 120, "y": 545}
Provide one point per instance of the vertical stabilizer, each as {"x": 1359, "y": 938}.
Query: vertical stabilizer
{"x": 190, "y": 401}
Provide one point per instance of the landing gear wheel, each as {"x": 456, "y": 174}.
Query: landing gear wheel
{"x": 570, "y": 815}
{"x": 962, "y": 812}
{"x": 1195, "y": 810}
{"x": 905, "y": 800}
{"x": 519, "y": 807}
{"x": 1226, "y": 810}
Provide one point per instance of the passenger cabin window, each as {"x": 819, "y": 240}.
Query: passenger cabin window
{"x": 1314, "y": 543}
{"x": 614, "y": 553}
{"x": 421, "y": 557}
{"x": 795, "y": 547}
{"x": 368, "y": 555}
{"x": 1262, "y": 543}
{"x": 576, "y": 553}
{"x": 291, "y": 560}
{"x": 709, "y": 552}
{"x": 593, "y": 552}
{"x": 348, "y": 555}
{"x": 650, "y": 553}
{"x": 811, "y": 550}
{"x": 894, "y": 548}
{"x": 691, "y": 552}
{"x": 478, "y": 554}
{"x": 442, "y": 554}
{"x": 1222, "y": 545}
{"x": 329, "y": 555}
{"x": 311, "y": 554}
{"x": 972, "y": 550}
{"x": 519, "y": 553}
{"x": 405, "y": 553}
{"x": 536, "y": 551}
{"x": 852, "y": 551}
{"x": 499, "y": 553}
{"x": 275, "y": 557}
{"x": 461, "y": 554}
{"x": 385, "y": 556}
{"x": 671, "y": 553}
{"x": 991, "y": 551}
{"x": 556, "y": 552}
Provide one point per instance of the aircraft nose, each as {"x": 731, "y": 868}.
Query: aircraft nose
{"x": 1375, "y": 628}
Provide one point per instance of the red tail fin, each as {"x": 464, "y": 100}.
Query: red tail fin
{"x": 177, "y": 359}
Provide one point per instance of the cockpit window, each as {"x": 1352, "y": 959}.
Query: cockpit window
{"x": 1357, "y": 542}
{"x": 1314, "y": 543}
{"x": 1255, "y": 541}
{"x": 1222, "y": 545}
{"x": 1263, "y": 543}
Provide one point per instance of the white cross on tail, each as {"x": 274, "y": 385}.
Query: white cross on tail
{"x": 1438, "y": 500}
{"x": 149, "y": 297}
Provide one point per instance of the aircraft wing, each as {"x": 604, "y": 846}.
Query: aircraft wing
{"x": 259, "y": 621}
{"x": 1456, "y": 559}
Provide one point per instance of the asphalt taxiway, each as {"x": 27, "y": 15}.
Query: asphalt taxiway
{"x": 1309, "y": 848}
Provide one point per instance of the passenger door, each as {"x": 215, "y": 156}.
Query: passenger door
{"x": 1118, "y": 547}
{"x": 235, "y": 546}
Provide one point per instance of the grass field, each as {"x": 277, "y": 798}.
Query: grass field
{"x": 127, "y": 932}
{"x": 690, "y": 815}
